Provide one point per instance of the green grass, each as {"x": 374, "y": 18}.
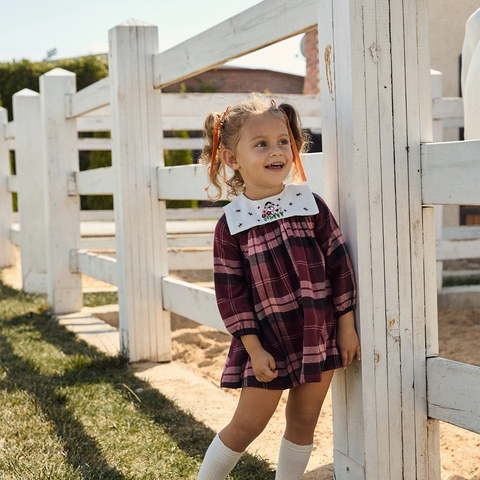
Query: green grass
{"x": 99, "y": 299}
{"x": 69, "y": 412}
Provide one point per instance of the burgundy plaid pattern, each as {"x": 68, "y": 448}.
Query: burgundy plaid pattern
{"x": 287, "y": 282}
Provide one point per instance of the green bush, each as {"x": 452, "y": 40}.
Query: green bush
{"x": 17, "y": 75}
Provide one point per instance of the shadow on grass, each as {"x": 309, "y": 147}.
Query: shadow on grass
{"x": 82, "y": 451}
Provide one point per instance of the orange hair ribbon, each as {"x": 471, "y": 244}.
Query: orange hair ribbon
{"x": 297, "y": 162}
{"x": 216, "y": 140}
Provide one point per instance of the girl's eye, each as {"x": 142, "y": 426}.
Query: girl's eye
{"x": 261, "y": 144}
{"x": 284, "y": 142}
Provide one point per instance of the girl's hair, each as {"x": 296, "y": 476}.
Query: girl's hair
{"x": 230, "y": 134}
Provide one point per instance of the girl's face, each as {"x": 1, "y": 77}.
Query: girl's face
{"x": 263, "y": 156}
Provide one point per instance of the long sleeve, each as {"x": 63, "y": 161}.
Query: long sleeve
{"x": 231, "y": 286}
{"x": 338, "y": 266}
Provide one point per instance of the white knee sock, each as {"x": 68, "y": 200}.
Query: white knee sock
{"x": 292, "y": 460}
{"x": 218, "y": 461}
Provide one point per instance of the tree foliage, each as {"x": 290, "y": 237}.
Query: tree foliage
{"x": 17, "y": 75}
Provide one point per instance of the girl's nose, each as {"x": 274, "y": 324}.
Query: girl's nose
{"x": 276, "y": 151}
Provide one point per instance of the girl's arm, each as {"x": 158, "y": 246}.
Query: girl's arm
{"x": 347, "y": 339}
{"x": 262, "y": 362}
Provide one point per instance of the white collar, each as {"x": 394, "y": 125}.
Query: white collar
{"x": 243, "y": 213}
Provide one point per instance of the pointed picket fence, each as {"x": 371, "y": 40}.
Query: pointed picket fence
{"x": 379, "y": 172}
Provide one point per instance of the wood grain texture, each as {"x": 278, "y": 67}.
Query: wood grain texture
{"x": 101, "y": 267}
{"x": 31, "y": 191}
{"x": 459, "y": 403}
{"x": 7, "y": 257}
{"x": 62, "y": 217}
{"x": 450, "y": 173}
{"x": 89, "y": 98}
{"x": 139, "y": 217}
{"x": 192, "y": 301}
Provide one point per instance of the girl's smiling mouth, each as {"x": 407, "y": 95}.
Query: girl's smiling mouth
{"x": 275, "y": 166}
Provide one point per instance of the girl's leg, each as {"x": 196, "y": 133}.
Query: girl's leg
{"x": 255, "y": 408}
{"x": 303, "y": 408}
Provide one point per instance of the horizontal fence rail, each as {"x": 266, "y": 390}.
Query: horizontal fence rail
{"x": 94, "y": 265}
{"x": 98, "y": 181}
{"x": 458, "y": 249}
{"x": 10, "y": 130}
{"x": 188, "y": 182}
{"x": 192, "y": 301}
{"x": 454, "y": 393}
{"x": 89, "y": 98}
{"x": 12, "y": 183}
{"x": 251, "y": 30}
{"x": 450, "y": 173}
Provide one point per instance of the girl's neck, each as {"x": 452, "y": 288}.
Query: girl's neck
{"x": 261, "y": 194}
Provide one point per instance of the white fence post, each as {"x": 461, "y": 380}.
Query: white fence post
{"x": 62, "y": 211}
{"x": 31, "y": 190}
{"x": 376, "y": 104}
{"x": 7, "y": 255}
{"x": 139, "y": 216}
{"x": 437, "y": 92}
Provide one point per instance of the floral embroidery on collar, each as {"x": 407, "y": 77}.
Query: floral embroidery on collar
{"x": 243, "y": 213}
{"x": 272, "y": 211}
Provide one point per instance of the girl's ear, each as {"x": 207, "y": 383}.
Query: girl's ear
{"x": 230, "y": 160}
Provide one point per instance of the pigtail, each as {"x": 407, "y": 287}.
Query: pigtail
{"x": 302, "y": 138}
{"x": 206, "y": 158}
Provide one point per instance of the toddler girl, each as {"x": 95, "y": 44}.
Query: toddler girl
{"x": 283, "y": 280}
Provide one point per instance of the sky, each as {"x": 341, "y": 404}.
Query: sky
{"x": 30, "y": 28}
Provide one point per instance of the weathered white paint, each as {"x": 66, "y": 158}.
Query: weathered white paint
{"x": 192, "y": 301}
{"x": 94, "y": 124}
{"x": 190, "y": 258}
{"x": 436, "y": 79}
{"x": 183, "y": 143}
{"x": 139, "y": 216}
{"x": 62, "y": 212}
{"x": 447, "y": 108}
{"x": 7, "y": 257}
{"x": 461, "y": 233}
{"x": 454, "y": 393}
{"x": 373, "y": 88}
{"x": 431, "y": 309}
{"x": 450, "y": 173}
{"x": 9, "y": 129}
{"x": 97, "y": 244}
{"x": 31, "y": 191}
{"x": 12, "y": 183}
{"x": 244, "y": 33}
{"x": 94, "y": 265}
{"x": 458, "y": 249}
{"x": 190, "y": 241}
{"x": 90, "y": 144}
{"x": 15, "y": 236}
{"x": 90, "y": 98}
{"x": 98, "y": 181}
{"x": 188, "y": 111}
{"x": 470, "y": 75}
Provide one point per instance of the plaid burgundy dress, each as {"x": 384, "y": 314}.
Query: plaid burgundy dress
{"x": 286, "y": 281}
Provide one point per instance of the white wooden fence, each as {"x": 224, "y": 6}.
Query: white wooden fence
{"x": 380, "y": 171}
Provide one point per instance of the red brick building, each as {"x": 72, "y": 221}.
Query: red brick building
{"x": 226, "y": 79}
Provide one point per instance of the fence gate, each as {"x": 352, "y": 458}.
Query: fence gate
{"x": 376, "y": 116}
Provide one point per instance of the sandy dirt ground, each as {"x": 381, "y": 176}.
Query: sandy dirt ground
{"x": 203, "y": 350}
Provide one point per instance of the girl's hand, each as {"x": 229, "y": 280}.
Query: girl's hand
{"x": 264, "y": 366}
{"x": 263, "y": 363}
{"x": 347, "y": 339}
